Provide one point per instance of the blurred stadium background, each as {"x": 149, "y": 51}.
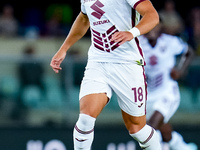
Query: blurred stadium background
{"x": 39, "y": 108}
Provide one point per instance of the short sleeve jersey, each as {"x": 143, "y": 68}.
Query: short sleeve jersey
{"x": 160, "y": 59}
{"x": 107, "y": 17}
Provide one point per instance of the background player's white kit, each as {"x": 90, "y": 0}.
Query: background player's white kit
{"x": 163, "y": 91}
{"x": 161, "y": 59}
{"x": 163, "y": 98}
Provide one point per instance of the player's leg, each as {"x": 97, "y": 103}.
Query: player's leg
{"x": 93, "y": 104}
{"x": 130, "y": 86}
{"x": 173, "y": 138}
{"x": 177, "y": 143}
{"x": 94, "y": 95}
{"x": 164, "y": 130}
{"x": 90, "y": 107}
{"x": 156, "y": 120}
{"x": 163, "y": 109}
{"x": 140, "y": 131}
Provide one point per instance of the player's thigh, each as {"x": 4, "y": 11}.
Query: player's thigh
{"x": 94, "y": 90}
{"x": 129, "y": 85}
{"x": 93, "y": 104}
{"x": 133, "y": 123}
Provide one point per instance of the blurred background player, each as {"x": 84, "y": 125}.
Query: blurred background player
{"x": 160, "y": 51}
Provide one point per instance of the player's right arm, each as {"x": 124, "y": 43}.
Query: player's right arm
{"x": 78, "y": 30}
{"x": 185, "y": 61}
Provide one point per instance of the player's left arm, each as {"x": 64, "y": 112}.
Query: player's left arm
{"x": 150, "y": 19}
{"x": 183, "y": 64}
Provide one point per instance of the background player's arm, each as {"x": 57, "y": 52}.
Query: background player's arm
{"x": 78, "y": 30}
{"x": 185, "y": 60}
{"x": 149, "y": 20}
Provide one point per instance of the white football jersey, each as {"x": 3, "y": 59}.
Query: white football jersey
{"x": 160, "y": 59}
{"x": 107, "y": 17}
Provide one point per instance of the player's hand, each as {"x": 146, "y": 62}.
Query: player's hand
{"x": 57, "y": 60}
{"x": 121, "y": 37}
{"x": 175, "y": 74}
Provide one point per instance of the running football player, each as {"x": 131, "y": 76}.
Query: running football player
{"x": 115, "y": 63}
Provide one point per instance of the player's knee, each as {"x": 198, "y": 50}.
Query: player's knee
{"x": 147, "y": 138}
{"x": 85, "y": 122}
{"x": 84, "y": 132}
{"x": 134, "y": 124}
{"x": 134, "y": 129}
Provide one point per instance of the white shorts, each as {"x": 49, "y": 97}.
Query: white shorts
{"x": 127, "y": 80}
{"x": 166, "y": 102}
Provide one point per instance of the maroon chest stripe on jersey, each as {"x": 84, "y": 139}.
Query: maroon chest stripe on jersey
{"x": 98, "y": 37}
{"x": 96, "y": 32}
{"x": 102, "y": 40}
{"x": 115, "y": 46}
{"x": 97, "y": 41}
{"x": 110, "y": 30}
{"x": 100, "y": 48}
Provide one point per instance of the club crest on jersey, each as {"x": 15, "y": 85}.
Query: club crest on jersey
{"x": 98, "y": 12}
{"x": 153, "y": 60}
